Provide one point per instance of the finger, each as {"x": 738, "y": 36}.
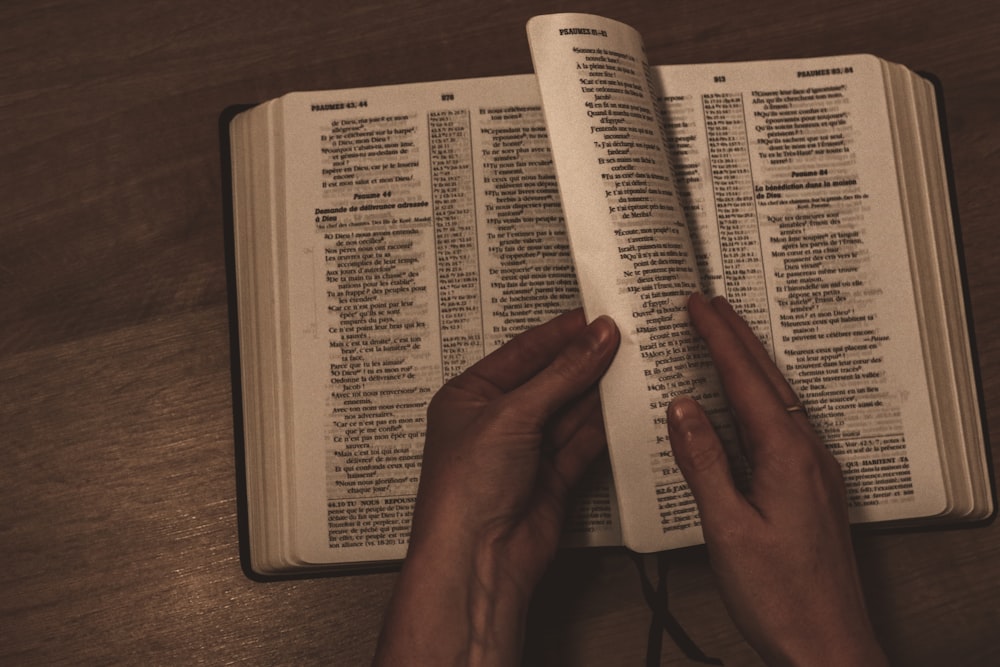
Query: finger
{"x": 525, "y": 355}
{"x": 751, "y": 395}
{"x": 760, "y": 355}
{"x": 578, "y": 437}
{"x": 563, "y": 426}
{"x": 573, "y": 371}
{"x": 702, "y": 460}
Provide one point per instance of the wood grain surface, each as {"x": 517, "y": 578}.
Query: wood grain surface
{"x": 118, "y": 540}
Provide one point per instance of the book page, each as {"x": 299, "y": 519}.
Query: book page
{"x": 634, "y": 257}
{"x": 787, "y": 174}
{"x": 423, "y": 230}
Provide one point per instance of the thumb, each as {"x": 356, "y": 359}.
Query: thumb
{"x": 574, "y": 370}
{"x": 702, "y": 460}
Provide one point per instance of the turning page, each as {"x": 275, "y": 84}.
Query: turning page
{"x": 633, "y": 255}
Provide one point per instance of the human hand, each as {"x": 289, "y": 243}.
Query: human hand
{"x": 485, "y": 476}
{"x": 782, "y": 552}
{"x": 506, "y": 442}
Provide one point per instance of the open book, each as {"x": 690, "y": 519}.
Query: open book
{"x": 387, "y": 238}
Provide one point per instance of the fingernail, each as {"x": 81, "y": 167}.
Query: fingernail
{"x": 602, "y": 330}
{"x": 721, "y": 303}
{"x": 683, "y": 412}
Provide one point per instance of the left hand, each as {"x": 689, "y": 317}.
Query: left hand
{"x": 506, "y": 442}
{"x": 485, "y": 475}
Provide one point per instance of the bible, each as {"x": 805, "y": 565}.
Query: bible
{"x": 386, "y": 238}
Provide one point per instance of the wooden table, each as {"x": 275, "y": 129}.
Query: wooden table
{"x": 118, "y": 535}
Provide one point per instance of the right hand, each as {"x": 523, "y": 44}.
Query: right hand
{"x": 782, "y": 552}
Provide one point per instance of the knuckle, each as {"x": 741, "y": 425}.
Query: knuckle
{"x": 812, "y": 460}
{"x": 441, "y": 399}
{"x": 700, "y": 458}
{"x": 527, "y": 350}
{"x": 571, "y": 367}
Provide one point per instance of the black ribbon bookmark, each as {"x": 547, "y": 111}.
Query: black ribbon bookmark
{"x": 662, "y": 620}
